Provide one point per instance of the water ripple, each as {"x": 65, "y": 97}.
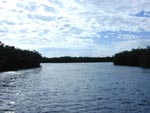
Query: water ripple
{"x": 76, "y": 88}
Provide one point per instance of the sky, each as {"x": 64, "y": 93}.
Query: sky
{"x": 75, "y": 27}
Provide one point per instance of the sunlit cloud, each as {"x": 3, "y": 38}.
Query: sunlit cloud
{"x": 75, "y": 27}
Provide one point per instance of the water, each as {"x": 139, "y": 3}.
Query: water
{"x": 76, "y": 88}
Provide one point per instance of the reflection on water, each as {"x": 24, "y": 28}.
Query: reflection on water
{"x": 76, "y": 88}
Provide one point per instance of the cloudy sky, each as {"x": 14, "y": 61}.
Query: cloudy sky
{"x": 75, "y": 27}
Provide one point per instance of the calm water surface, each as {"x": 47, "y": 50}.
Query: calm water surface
{"x": 76, "y": 88}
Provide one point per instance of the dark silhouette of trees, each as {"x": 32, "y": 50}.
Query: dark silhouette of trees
{"x": 68, "y": 59}
{"x": 136, "y": 57}
{"x": 12, "y": 58}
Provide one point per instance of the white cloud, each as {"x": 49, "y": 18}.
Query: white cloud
{"x": 127, "y": 37}
{"x": 72, "y": 24}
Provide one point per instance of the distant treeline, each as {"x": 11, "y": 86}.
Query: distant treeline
{"x": 68, "y": 59}
{"x": 136, "y": 57}
{"x": 12, "y": 58}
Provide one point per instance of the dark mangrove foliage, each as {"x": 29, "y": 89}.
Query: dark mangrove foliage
{"x": 136, "y": 57}
{"x": 68, "y": 59}
{"x": 12, "y": 58}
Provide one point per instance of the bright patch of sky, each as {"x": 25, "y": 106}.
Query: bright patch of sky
{"x": 75, "y": 27}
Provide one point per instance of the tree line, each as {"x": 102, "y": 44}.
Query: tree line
{"x": 68, "y": 59}
{"x": 136, "y": 57}
{"x": 12, "y": 58}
